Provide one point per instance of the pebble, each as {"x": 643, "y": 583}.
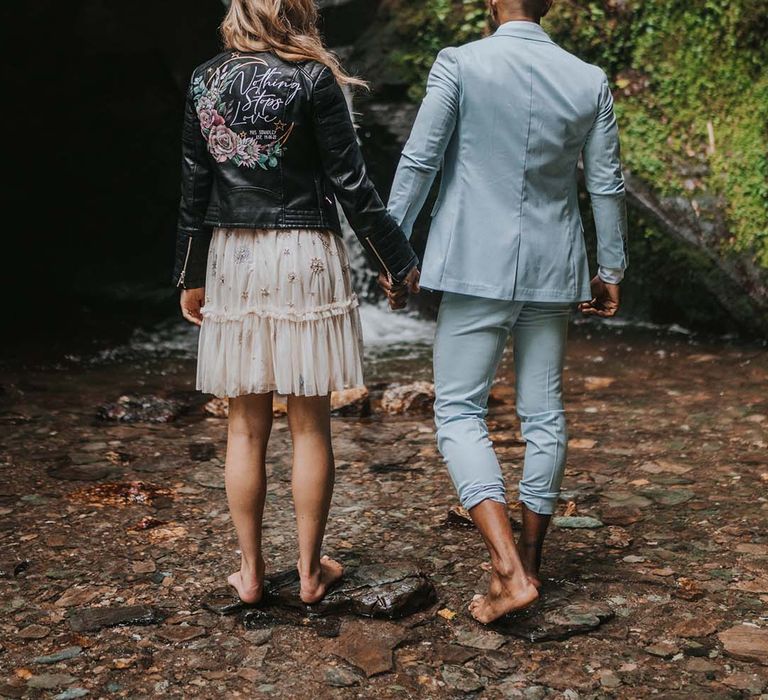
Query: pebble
{"x": 63, "y": 655}
{"x": 577, "y": 521}
{"x": 663, "y": 649}
{"x": 340, "y": 677}
{"x": 71, "y": 694}
{"x": 461, "y": 678}
{"x": 608, "y": 679}
{"x": 34, "y": 632}
{"x": 47, "y": 681}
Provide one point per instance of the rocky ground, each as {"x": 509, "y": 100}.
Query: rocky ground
{"x": 657, "y": 565}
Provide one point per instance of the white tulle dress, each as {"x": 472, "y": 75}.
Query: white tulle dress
{"x": 279, "y": 315}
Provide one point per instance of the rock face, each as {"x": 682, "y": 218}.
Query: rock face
{"x": 388, "y": 591}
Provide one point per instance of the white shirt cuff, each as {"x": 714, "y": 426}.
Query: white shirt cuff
{"x": 610, "y": 275}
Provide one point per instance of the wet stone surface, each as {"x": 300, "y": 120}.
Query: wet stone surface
{"x": 117, "y": 539}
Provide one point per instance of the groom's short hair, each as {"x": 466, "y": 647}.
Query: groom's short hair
{"x": 531, "y": 8}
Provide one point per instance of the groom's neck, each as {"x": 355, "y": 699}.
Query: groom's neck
{"x": 512, "y": 17}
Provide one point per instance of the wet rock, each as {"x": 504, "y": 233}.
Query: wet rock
{"x": 62, "y": 655}
{"x": 746, "y": 643}
{"x": 368, "y": 645}
{"x": 351, "y": 403}
{"x": 386, "y": 591}
{"x": 496, "y": 664}
{"x": 461, "y": 678}
{"x": 141, "y": 409}
{"x": 479, "y": 638}
{"x": 577, "y": 521}
{"x": 92, "y": 619}
{"x": 340, "y": 677}
{"x": 223, "y": 601}
{"x": 47, "y": 681}
{"x": 664, "y": 649}
{"x": 417, "y": 397}
{"x": 559, "y": 614}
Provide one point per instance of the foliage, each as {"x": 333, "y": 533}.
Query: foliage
{"x": 690, "y": 83}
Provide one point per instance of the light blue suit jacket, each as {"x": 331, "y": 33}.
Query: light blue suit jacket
{"x": 507, "y": 119}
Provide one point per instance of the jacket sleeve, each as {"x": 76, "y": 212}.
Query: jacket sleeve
{"x": 192, "y": 237}
{"x": 605, "y": 184}
{"x": 432, "y": 131}
{"x": 344, "y": 166}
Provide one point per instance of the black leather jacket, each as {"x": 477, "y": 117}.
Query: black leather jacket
{"x": 270, "y": 144}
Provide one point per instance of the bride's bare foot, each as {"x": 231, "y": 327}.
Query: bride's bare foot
{"x": 248, "y": 582}
{"x": 314, "y": 585}
{"x": 505, "y": 595}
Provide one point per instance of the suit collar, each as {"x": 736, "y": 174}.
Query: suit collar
{"x": 524, "y": 30}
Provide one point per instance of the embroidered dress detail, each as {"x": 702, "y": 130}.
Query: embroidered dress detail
{"x": 262, "y": 334}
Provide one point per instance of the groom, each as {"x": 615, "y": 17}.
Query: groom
{"x": 507, "y": 119}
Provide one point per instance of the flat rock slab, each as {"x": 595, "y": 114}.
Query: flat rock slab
{"x": 746, "y": 643}
{"x": 577, "y": 522}
{"x": 560, "y": 613}
{"x": 368, "y": 645}
{"x": 388, "y": 591}
{"x": 92, "y": 619}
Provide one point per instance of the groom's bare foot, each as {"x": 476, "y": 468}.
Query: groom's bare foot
{"x": 506, "y": 594}
{"x": 248, "y": 582}
{"x": 314, "y": 585}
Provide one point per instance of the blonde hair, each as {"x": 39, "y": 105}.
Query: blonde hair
{"x": 288, "y": 28}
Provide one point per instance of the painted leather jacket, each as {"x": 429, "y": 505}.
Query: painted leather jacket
{"x": 271, "y": 144}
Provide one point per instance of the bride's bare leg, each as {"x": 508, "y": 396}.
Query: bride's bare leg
{"x": 309, "y": 419}
{"x": 250, "y": 424}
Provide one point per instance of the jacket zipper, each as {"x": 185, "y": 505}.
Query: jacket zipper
{"x": 383, "y": 264}
{"x": 186, "y": 260}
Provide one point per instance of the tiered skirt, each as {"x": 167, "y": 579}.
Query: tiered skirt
{"x": 280, "y": 315}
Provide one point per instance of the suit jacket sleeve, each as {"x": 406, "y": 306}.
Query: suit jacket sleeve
{"x": 193, "y": 237}
{"x": 344, "y": 166}
{"x": 605, "y": 184}
{"x": 423, "y": 153}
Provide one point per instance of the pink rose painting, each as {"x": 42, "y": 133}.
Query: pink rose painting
{"x": 222, "y": 143}
{"x": 206, "y": 117}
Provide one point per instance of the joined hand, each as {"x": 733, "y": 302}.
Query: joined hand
{"x": 397, "y": 295}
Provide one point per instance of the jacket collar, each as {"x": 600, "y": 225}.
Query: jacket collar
{"x": 524, "y": 30}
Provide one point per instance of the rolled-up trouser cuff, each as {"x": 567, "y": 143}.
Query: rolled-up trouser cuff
{"x": 541, "y": 504}
{"x": 475, "y": 494}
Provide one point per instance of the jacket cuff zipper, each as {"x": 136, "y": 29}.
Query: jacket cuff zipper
{"x": 184, "y": 268}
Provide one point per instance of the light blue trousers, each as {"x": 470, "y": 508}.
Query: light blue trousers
{"x": 471, "y": 335}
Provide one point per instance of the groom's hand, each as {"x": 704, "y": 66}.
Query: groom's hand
{"x": 397, "y": 295}
{"x": 606, "y": 299}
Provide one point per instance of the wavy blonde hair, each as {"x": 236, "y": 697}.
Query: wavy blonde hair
{"x": 286, "y": 27}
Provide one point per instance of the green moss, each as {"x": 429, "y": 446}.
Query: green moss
{"x": 681, "y": 71}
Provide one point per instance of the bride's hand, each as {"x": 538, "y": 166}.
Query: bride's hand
{"x": 192, "y": 301}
